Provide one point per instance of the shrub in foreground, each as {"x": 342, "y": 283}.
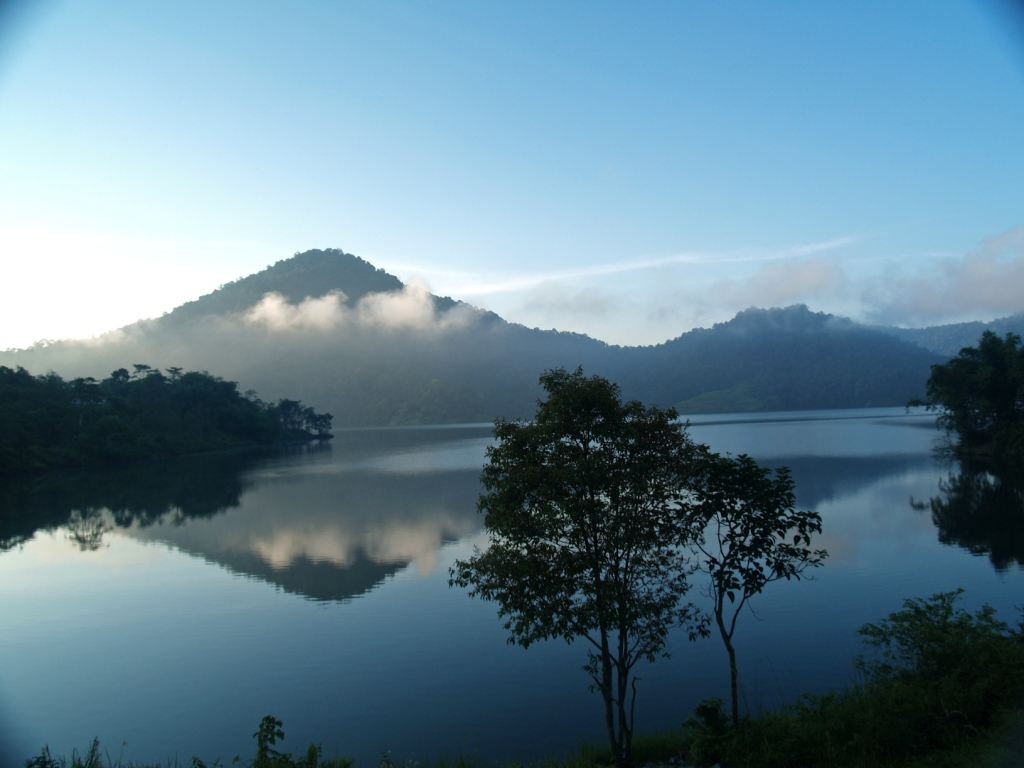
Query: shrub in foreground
{"x": 937, "y": 683}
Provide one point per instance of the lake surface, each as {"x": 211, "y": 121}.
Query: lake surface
{"x": 173, "y": 605}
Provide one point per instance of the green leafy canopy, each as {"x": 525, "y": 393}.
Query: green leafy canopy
{"x": 583, "y": 512}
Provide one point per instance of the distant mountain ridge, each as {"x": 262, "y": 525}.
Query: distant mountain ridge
{"x": 779, "y": 359}
{"x": 392, "y": 354}
{"x": 951, "y": 338}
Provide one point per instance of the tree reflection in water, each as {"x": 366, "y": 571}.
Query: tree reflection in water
{"x": 91, "y": 503}
{"x": 88, "y": 528}
{"x": 983, "y": 512}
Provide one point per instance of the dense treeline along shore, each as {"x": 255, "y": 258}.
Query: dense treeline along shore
{"x": 979, "y": 396}
{"x": 47, "y": 422}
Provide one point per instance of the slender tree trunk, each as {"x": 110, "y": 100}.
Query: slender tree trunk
{"x": 625, "y": 705}
{"x": 732, "y": 667}
{"x": 606, "y": 693}
{"x": 732, "y": 670}
{"x": 625, "y": 734}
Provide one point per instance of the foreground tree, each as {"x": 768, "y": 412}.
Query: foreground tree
{"x": 979, "y": 396}
{"x": 583, "y": 508}
{"x": 749, "y": 535}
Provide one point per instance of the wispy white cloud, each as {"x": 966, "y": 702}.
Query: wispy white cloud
{"x": 524, "y": 282}
{"x": 411, "y": 308}
{"x": 817, "y": 281}
{"x": 512, "y": 284}
{"x": 827, "y": 245}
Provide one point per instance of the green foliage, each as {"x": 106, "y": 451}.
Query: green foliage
{"x": 46, "y": 422}
{"x": 749, "y": 535}
{"x": 583, "y": 515}
{"x": 937, "y": 686}
{"x": 963, "y": 657}
{"x": 979, "y": 395}
{"x": 708, "y": 731}
{"x": 270, "y": 732}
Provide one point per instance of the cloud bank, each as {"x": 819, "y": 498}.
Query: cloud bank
{"x": 912, "y": 290}
{"x": 780, "y": 283}
{"x": 985, "y": 283}
{"x": 410, "y": 309}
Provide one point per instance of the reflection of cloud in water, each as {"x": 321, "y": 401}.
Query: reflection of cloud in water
{"x": 416, "y": 542}
{"x": 311, "y": 533}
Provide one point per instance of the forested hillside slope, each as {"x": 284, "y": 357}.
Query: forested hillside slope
{"x": 345, "y": 337}
{"x": 949, "y": 339}
{"x": 778, "y": 359}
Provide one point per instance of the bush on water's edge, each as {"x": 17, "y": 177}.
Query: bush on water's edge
{"x": 940, "y": 687}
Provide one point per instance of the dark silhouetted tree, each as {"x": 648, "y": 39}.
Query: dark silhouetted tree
{"x": 749, "y": 536}
{"x": 583, "y": 507}
{"x": 979, "y": 396}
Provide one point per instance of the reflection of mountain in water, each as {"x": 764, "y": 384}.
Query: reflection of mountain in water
{"x": 332, "y": 523}
{"x": 982, "y": 513}
{"x": 328, "y": 524}
{"x": 333, "y": 535}
{"x": 317, "y": 580}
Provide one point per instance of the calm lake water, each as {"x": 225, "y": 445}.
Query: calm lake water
{"x": 172, "y": 606}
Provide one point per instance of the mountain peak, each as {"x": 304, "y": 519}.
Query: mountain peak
{"x": 310, "y": 273}
{"x": 796, "y": 318}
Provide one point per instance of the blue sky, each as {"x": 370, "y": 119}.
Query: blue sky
{"x": 625, "y": 170}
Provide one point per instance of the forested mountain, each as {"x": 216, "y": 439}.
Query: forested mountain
{"x": 949, "y": 339}
{"x": 329, "y": 328}
{"x": 777, "y": 359}
{"x": 294, "y": 279}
